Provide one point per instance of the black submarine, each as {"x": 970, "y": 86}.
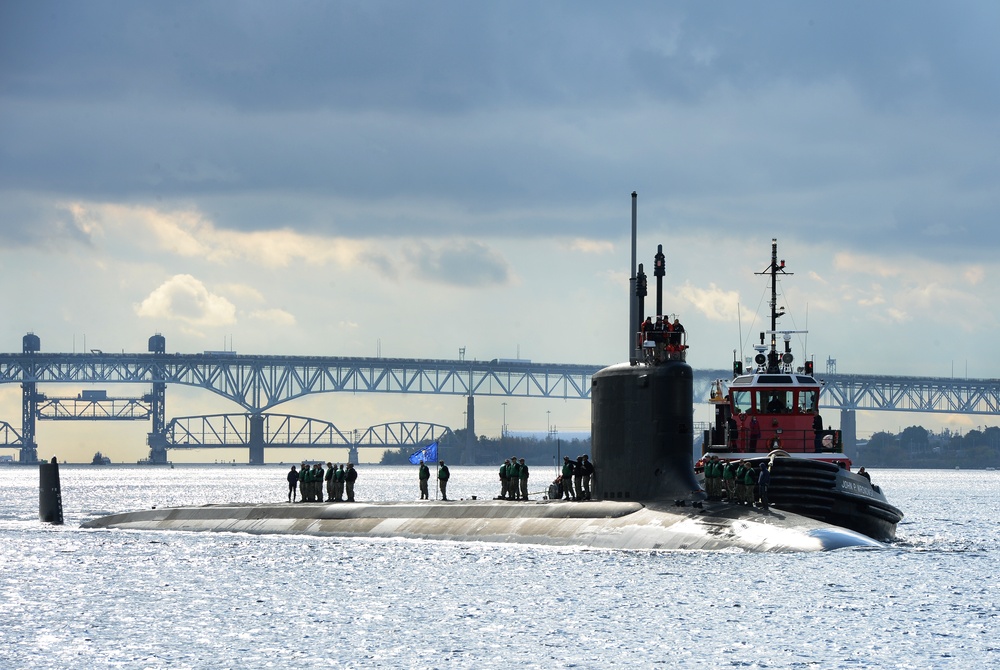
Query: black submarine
{"x": 647, "y": 496}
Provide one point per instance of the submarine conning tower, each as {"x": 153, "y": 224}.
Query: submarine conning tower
{"x": 642, "y": 412}
{"x": 642, "y": 435}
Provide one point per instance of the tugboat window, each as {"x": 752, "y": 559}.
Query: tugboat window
{"x": 773, "y": 402}
{"x": 741, "y": 401}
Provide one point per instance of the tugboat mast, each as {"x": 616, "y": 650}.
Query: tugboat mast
{"x": 773, "y": 270}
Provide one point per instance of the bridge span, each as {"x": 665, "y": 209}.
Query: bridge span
{"x": 258, "y": 383}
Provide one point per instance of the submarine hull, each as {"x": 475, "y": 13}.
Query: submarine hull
{"x": 593, "y": 525}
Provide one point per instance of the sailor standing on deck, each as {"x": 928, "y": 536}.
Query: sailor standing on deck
{"x": 329, "y": 482}
{"x": 522, "y": 475}
{"x": 729, "y": 481}
{"x": 338, "y": 482}
{"x": 293, "y": 483}
{"x": 350, "y": 476}
{"x": 763, "y": 481}
{"x": 713, "y": 477}
{"x": 567, "y": 478}
{"x": 504, "y": 480}
{"x": 578, "y": 478}
{"x": 303, "y": 482}
{"x": 443, "y": 476}
{"x": 425, "y": 474}
{"x": 738, "y": 482}
{"x": 749, "y": 482}
{"x": 513, "y": 479}
{"x": 588, "y": 476}
{"x": 317, "y": 483}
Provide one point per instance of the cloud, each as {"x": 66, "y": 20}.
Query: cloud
{"x": 185, "y": 299}
{"x": 588, "y": 246}
{"x": 189, "y": 233}
{"x": 974, "y": 275}
{"x": 716, "y": 304}
{"x": 29, "y": 222}
{"x": 463, "y": 263}
{"x": 278, "y": 317}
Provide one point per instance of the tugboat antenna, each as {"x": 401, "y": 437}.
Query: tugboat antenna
{"x": 773, "y": 270}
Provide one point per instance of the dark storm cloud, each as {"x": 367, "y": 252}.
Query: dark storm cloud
{"x": 277, "y": 114}
{"x": 452, "y": 56}
{"x": 27, "y": 223}
{"x": 464, "y": 264}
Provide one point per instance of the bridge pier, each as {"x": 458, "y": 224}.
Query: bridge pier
{"x": 28, "y": 454}
{"x": 30, "y": 344}
{"x": 256, "y": 441}
{"x": 470, "y": 430}
{"x": 157, "y": 448}
{"x": 849, "y": 432}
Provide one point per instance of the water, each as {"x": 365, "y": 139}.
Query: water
{"x": 74, "y": 598}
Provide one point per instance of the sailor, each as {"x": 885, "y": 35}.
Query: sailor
{"x": 740, "y": 476}
{"x": 317, "y": 482}
{"x": 293, "y": 483}
{"x": 443, "y": 476}
{"x": 578, "y": 478}
{"x": 425, "y": 474}
{"x": 729, "y": 481}
{"x": 734, "y": 433}
{"x": 329, "y": 482}
{"x": 522, "y": 475}
{"x": 712, "y": 475}
{"x": 861, "y": 471}
{"x": 304, "y": 483}
{"x": 588, "y": 476}
{"x": 341, "y": 478}
{"x": 818, "y": 433}
{"x": 721, "y": 486}
{"x": 504, "y": 480}
{"x": 558, "y": 483}
{"x": 555, "y": 488}
{"x": 350, "y": 476}
{"x": 749, "y": 483}
{"x": 754, "y": 434}
{"x": 676, "y": 334}
{"x": 763, "y": 482}
{"x": 512, "y": 478}
{"x": 646, "y": 328}
{"x": 567, "y": 478}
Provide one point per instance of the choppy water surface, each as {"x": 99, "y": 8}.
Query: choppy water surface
{"x": 73, "y": 598}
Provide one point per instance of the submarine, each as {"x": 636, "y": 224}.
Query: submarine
{"x": 646, "y": 494}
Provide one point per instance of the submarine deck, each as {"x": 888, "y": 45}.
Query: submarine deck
{"x": 590, "y": 524}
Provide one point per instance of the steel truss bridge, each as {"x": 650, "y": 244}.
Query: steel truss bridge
{"x": 260, "y": 383}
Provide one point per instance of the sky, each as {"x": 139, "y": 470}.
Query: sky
{"x": 408, "y": 180}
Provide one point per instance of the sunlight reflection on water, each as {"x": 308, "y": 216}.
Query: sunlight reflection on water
{"x": 76, "y": 598}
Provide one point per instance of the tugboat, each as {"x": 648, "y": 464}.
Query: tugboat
{"x": 771, "y": 413}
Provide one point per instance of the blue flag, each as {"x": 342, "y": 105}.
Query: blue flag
{"x": 428, "y": 454}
